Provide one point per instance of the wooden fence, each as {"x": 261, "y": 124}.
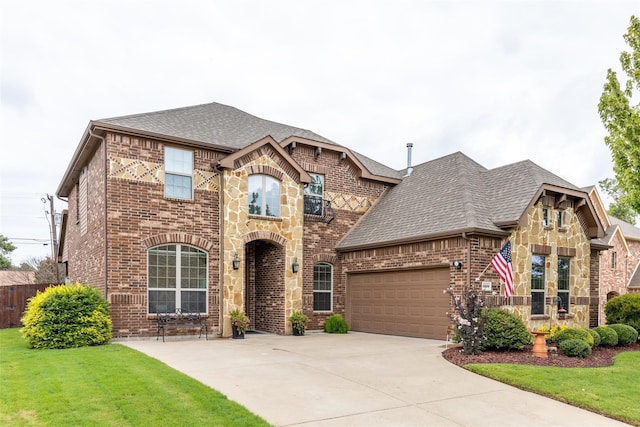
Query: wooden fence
{"x": 13, "y": 302}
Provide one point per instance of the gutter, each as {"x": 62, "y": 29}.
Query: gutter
{"x": 422, "y": 238}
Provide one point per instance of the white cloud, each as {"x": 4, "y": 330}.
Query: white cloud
{"x": 501, "y": 81}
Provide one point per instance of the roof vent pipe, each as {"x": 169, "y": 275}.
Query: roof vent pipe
{"x": 409, "y": 167}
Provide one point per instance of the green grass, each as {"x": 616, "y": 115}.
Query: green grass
{"x": 612, "y": 391}
{"x": 109, "y": 385}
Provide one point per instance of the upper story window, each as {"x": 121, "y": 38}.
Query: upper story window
{"x": 545, "y": 217}
{"x": 313, "y": 195}
{"x": 178, "y": 173}
{"x": 264, "y": 195}
{"x": 537, "y": 284}
{"x": 614, "y": 261}
{"x": 322, "y": 286}
{"x": 177, "y": 279}
{"x": 564, "y": 278}
{"x": 82, "y": 200}
{"x": 560, "y": 218}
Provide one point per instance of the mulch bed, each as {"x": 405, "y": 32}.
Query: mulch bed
{"x": 600, "y": 356}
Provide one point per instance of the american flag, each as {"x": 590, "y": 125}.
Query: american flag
{"x": 501, "y": 263}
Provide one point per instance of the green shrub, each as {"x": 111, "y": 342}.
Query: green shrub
{"x": 504, "y": 330}
{"x": 575, "y": 348}
{"x": 66, "y": 316}
{"x": 608, "y": 336}
{"x": 573, "y": 334}
{"x": 335, "y": 324}
{"x": 626, "y": 334}
{"x": 624, "y": 309}
{"x": 596, "y": 337}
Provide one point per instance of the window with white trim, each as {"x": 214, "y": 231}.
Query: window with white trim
{"x": 178, "y": 173}
{"x": 83, "y": 196}
{"x": 564, "y": 279}
{"x": 322, "y": 286}
{"x": 537, "y": 284}
{"x": 264, "y": 195}
{"x": 313, "y": 195}
{"x": 177, "y": 279}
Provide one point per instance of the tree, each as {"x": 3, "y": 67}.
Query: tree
{"x": 44, "y": 268}
{"x": 621, "y": 118}
{"x": 6, "y": 247}
{"x": 618, "y": 208}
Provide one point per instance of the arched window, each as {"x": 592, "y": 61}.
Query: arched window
{"x": 264, "y": 195}
{"x": 322, "y": 287}
{"x": 177, "y": 279}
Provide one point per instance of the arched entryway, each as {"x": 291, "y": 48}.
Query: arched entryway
{"x": 265, "y": 286}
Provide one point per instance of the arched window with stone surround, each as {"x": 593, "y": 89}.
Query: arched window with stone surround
{"x": 264, "y": 195}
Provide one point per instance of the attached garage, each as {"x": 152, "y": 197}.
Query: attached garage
{"x": 408, "y": 303}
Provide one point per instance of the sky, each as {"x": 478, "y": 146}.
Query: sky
{"x": 501, "y": 81}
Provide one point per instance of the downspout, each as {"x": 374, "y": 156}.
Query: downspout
{"x": 221, "y": 256}
{"x": 106, "y": 251}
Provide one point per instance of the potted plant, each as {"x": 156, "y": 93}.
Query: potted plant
{"x": 239, "y": 323}
{"x": 298, "y": 322}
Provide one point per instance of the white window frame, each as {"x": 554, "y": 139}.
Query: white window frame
{"x": 264, "y": 180}
{"x": 178, "y": 163}
{"x": 178, "y": 288}
{"x": 567, "y": 291}
{"x": 323, "y": 291}
{"x": 544, "y": 285}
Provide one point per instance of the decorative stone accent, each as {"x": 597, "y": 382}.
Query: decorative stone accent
{"x": 241, "y": 228}
{"x": 349, "y": 202}
{"x": 138, "y": 170}
{"x": 570, "y": 241}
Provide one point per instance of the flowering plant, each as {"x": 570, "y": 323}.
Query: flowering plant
{"x": 239, "y": 320}
{"x": 467, "y": 319}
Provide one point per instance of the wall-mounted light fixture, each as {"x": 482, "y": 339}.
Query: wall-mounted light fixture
{"x": 235, "y": 262}
{"x": 457, "y": 265}
{"x": 295, "y": 265}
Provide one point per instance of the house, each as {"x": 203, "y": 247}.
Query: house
{"x": 620, "y": 264}
{"x": 210, "y": 209}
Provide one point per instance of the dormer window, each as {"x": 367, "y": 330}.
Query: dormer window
{"x": 313, "y": 195}
{"x": 264, "y": 195}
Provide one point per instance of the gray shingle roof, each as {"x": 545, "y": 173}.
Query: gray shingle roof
{"x": 448, "y": 195}
{"x": 213, "y": 123}
{"x": 629, "y": 231}
{"x": 225, "y": 126}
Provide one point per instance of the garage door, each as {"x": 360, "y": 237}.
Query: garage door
{"x": 409, "y": 303}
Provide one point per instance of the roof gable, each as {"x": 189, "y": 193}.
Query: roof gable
{"x": 454, "y": 195}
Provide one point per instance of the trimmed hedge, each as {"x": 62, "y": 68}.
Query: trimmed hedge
{"x": 66, "y": 316}
{"x": 335, "y": 324}
{"x": 624, "y": 309}
{"x": 596, "y": 337}
{"x": 504, "y": 330}
{"x": 574, "y": 333}
{"x": 575, "y": 348}
{"x": 608, "y": 336}
{"x": 626, "y": 334}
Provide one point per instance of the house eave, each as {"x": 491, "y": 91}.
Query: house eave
{"x": 426, "y": 237}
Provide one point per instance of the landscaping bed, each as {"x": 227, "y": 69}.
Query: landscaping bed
{"x": 600, "y": 356}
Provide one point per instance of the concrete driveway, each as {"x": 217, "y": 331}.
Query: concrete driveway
{"x": 357, "y": 379}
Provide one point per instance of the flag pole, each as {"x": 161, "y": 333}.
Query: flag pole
{"x": 483, "y": 271}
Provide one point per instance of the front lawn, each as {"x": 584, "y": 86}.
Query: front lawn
{"x": 109, "y": 385}
{"x": 612, "y": 390}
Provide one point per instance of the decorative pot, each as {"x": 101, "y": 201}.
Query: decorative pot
{"x": 540, "y": 344}
{"x": 236, "y": 334}
{"x": 298, "y": 333}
